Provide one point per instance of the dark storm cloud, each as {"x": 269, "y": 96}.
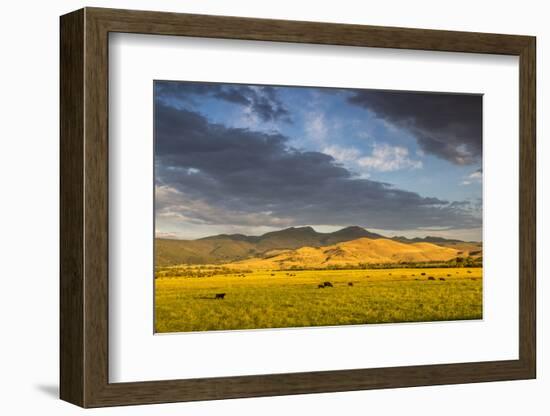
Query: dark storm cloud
{"x": 222, "y": 175}
{"x": 446, "y": 125}
{"x": 261, "y": 100}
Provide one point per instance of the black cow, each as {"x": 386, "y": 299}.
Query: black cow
{"x": 220, "y": 295}
{"x": 350, "y": 283}
{"x": 327, "y": 284}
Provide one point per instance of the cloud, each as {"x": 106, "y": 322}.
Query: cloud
{"x": 315, "y": 127}
{"x": 342, "y": 154}
{"x": 317, "y": 130}
{"x": 161, "y": 234}
{"x": 474, "y": 177}
{"x": 213, "y": 174}
{"x": 448, "y": 126}
{"x": 386, "y": 158}
{"x": 261, "y": 101}
{"x": 174, "y": 205}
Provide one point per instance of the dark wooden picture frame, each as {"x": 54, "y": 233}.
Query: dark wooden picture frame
{"x": 84, "y": 207}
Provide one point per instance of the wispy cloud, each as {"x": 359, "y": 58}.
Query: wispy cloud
{"x": 316, "y": 127}
{"x": 319, "y": 131}
{"x": 342, "y": 154}
{"x": 386, "y": 158}
{"x": 473, "y": 178}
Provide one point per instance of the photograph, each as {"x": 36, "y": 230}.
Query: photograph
{"x": 297, "y": 206}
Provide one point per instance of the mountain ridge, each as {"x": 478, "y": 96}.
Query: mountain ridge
{"x": 226, "y": 248}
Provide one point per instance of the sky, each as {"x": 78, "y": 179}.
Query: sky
{"x": 249, "y": 159}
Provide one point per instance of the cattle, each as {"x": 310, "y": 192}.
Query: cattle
{"x": 220, "y": 295}
{"x": 442, "y": 278}
{"x": 350, "y": 283}
{"x": 320, "y": 286}
{"x": 327, "y": 284}
{"x": 423, "y": 274}
{"x": 431, "y": 278}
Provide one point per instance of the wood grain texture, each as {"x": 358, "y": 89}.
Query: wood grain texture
{"x": 71, "y": 208}
{"x": 84, "y": 207}
{"x": 162, "y": 23}
{"x": 527, "y": 208}
{"x": 96, "y": 208}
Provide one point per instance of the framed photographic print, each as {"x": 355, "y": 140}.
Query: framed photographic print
{"x": 255, "y": 207}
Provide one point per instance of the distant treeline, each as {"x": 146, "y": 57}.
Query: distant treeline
{"x": 454, "y": 263}
{"x": 196, "y": 271}
{"x": 212, "y": 270}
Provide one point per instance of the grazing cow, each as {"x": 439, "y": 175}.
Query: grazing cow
{"x": 350, "y": 283}
{"x": 442, "y": 278}
{"x": 431, "y": 278}
{"x": 448, "y": 275}
{"x": 469, "y": 271}
{"x": 272, "y": 274}
{"x": 423, "y": 274}
{"x": 320, "y": 286}
{"x": 327, "y": 284}
{"x": 220, "y": 295}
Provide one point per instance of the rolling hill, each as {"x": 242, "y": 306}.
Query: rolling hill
{"x": 227, "y": 248}
{"x": 362, "y": 250}
{"x": 224, "y": 248}
{"x": 465, "y": 248}
{"x": 295, "y": 237}
{"x": 209, "y": 251}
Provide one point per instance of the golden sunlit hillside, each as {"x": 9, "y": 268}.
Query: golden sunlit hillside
{"x": 360, "y": 251}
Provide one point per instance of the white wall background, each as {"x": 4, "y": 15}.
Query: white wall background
{"x": 29, "y": 210}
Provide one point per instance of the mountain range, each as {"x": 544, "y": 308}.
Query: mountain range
{"x": 304, "y": 244}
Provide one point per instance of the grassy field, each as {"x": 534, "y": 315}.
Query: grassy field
{"x": 282, "y": 299}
